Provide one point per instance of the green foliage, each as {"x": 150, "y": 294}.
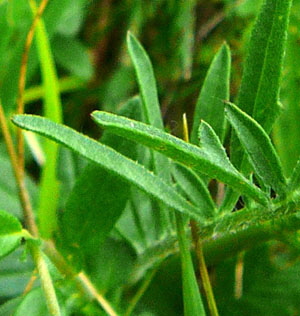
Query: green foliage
{"x": 113, "y": 215}
{"x": 258, "y": 146}
{"x": 215, "y": 90}
{"x": 210, "y": 158}
{"x": 10, "y": 233}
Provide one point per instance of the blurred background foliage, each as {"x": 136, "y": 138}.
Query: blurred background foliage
{"x": 95, "y": 72}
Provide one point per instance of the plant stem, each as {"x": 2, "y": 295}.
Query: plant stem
{"x": 203, "y": 270}
{"x": 83, "y": 282}
{"x": 86, "y": 282}
{"x": 198, "y": 249}
{"x": 46, "y": 281}
{"x": 22, "y": 81}
{"x": 23, "y": 194}
{"x": 142, "y": 289}
{"x": 30, "y": 222}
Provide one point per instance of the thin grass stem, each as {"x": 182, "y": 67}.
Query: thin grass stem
{"x": 22, "y": 81}
{"x": 198, "y": 248}
{"x": 39, "y": 261}
{"x": 140, "y": 292}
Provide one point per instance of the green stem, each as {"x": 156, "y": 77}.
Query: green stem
{"x": 227, "y": 244}
{"x": 203, "y": 270}
{"x": 39, "y": 261}
{"x": 46, "y": 281}
{"x": 191, "y": 296}
{"x": 140, "y": 292}
{"x": 67, "y": 84}
{"x": 83, "y": 283}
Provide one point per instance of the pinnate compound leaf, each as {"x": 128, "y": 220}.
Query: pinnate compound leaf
{"x": 109, "y": 159}
{"x": 190, "y": 155}
{"x": 10, "y": 233}
{"x": 215, "y": 89}
{"x": 258, "y": 146}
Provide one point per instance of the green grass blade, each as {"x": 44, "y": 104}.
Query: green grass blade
{"x": 259, "y": 92}
{"x": 49, "y": 188}
{"x": 110, "y": 160}
{"x": 258, "y": 146}
{"x": 215, "y": 89}
{"x": 146, "y": 80}
{"x": 147, "y": 84}
{"x": 191, "y": 296}
{"x": 205, "y": 162}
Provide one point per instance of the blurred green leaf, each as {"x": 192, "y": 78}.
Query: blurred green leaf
{"x": 33, "y": 304}
{"x": 15, "y": 272}
{"x": 72, "y": 56}
{"x": 9, "y": 198}
{"x": 8, "y": 308}
{"x": 49, "y": 187}
{"x": 294, "y": 181}
{"x": 10, "y": 233}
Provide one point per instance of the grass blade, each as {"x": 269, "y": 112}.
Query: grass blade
{"x": 191, "y": 296}
{"x": 146, "y": 80}
{"x": 259, "y": 91}
{"x": 190, "y": 155}
{"x": 110, "y": 160}
{"x": 147, "y": 84}
{"x": 215, "y": 89}
{"x": 49, "y": 188}
{"x": 258, "y": 146}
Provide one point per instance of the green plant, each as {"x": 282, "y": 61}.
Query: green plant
{"x": 142, "y": 188}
